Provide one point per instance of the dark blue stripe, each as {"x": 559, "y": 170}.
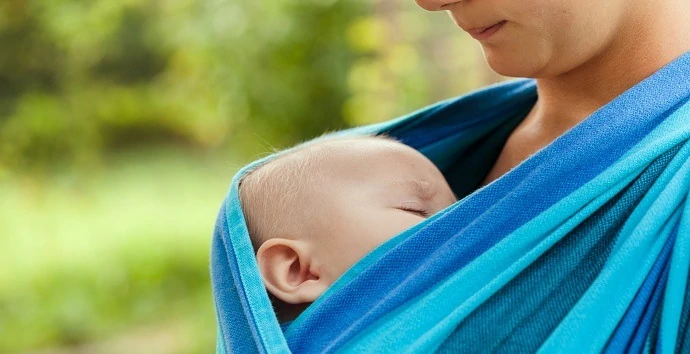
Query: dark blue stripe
{"x": 683, "y": 340}
{"x": 635, "y": 326}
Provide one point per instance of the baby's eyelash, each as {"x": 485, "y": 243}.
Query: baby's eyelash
{"x": 424, "y": 212}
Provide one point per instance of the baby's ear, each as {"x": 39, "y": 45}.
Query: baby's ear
{"x": 287, "y": 270}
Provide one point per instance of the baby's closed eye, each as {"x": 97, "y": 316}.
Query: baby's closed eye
{"x": 415, "y": 208}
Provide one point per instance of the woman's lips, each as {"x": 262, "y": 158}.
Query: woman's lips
{"x": 483, "y": 33}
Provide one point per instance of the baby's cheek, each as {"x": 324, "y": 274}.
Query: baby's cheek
{"x": 394, "y": 223}
{"x": 353, "y": 240}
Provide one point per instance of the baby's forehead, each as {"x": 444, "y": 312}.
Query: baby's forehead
{"x": 354, "y": 148}
{"x": 309, "y": 163}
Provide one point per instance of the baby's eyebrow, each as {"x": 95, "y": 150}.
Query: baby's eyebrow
{"x": 421, "y": 188}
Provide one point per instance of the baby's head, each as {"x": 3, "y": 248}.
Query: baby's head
{"x": 315, "y": 211}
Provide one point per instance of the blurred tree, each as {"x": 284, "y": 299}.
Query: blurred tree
{"x": 129, "y": 57}
{"x": 30, "y": 61}
{"x": 289, "y": 81}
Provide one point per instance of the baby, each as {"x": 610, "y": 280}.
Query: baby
{"x": 315, "y": 211}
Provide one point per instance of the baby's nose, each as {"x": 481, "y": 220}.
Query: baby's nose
{"x": 434, "y": 5}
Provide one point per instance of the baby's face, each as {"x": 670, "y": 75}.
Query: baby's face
{"x": 370, "y": 191}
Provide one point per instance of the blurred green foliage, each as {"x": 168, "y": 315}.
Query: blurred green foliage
{"x": 121, "y": 121}
{"x": 84, "y": 77}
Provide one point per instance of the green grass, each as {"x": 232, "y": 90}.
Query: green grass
{"x": 85, "y": 257}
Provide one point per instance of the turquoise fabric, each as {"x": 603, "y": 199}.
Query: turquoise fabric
{"x": 583, "y": 247}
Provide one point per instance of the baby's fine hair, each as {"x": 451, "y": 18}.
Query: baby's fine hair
{"x": 271, "y": 194}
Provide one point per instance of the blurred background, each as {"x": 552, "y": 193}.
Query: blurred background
{"x": 123, "y": 121}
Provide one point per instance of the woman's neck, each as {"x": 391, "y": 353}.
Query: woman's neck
{"x": 662, "y": 34}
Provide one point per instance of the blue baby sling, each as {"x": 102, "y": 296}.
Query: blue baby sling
{"x": 583, "y": 247}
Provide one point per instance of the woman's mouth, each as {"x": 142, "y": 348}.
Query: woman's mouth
{"x": 482, "y": 33}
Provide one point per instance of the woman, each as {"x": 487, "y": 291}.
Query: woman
{"x": 582, "y": 53}
{"x": 578, "y": 237}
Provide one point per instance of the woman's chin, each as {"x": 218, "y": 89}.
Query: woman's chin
{"x": 511, "y": 68}
{"x": 514, "y": 64}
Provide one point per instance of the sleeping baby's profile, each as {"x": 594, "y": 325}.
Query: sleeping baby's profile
{"x": 316, "y": 210}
